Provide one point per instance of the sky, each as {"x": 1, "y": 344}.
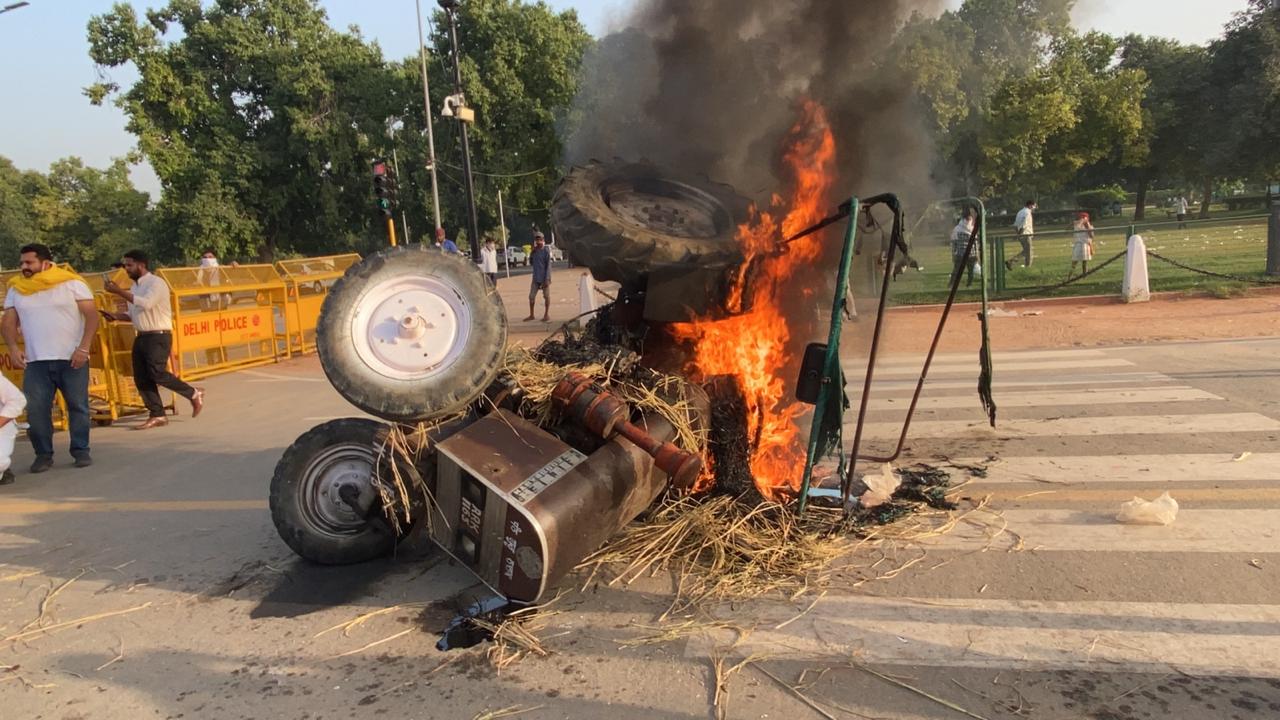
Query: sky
{"x": 44, "y": 62}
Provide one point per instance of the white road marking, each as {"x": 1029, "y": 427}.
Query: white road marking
{"x": 971, "y": 367}
{"x": 1001, "y": 383}
{"x": 273, "y": 377}
{"x": 1219, "y": 467}
{"x": 1083, "y": 426}
{"x": 1200, "y": 639}
{"x": 1213, "y": 531}
{"x": 1083, "y": 396}
{"x": 1014, "y": 356}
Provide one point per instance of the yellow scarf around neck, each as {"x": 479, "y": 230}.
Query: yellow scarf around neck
{"x": 41, "y": 281}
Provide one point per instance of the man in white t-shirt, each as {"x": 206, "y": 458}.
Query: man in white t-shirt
{"x": 489, "y": 261}
{"x": 152, "y": 318}
{"x": 55, "y": 311}
{"x": 1180, "y": 209}
{"x": 1024, "y": 227}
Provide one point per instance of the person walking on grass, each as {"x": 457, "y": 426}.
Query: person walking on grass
{"x": 1082, "y": 246}
{"x": 1024, "y": 228}
{"x": 540, "y": 259}
{"x": 1180, "y": 209}
{"x": 55, "y": 311}
{"x": 960, "y": 244}
{"x": 152, "y": 318}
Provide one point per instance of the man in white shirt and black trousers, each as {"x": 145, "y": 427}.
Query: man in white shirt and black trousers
{"x": 153, "y": 319}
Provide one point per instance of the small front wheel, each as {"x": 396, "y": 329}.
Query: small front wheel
{"x": 324, "y": 499}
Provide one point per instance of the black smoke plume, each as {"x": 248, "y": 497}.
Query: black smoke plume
{"x": 712, "y": 86}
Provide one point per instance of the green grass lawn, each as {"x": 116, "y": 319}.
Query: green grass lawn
{"x": 1233, "y": 245}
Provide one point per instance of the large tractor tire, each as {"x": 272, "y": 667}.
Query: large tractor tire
{"x": 323, "y": 499}
{"x": 412, "y": 334}
{"x": 624, "y": 221}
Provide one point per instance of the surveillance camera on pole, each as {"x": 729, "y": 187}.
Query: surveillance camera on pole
{"x": 464, "y": 116}
{"x": 455, "y": 106}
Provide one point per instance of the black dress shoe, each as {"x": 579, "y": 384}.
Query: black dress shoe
{"x": 42, "y": 463}
{"x": 83, "y": 460}
{"x": 7, "y": 478}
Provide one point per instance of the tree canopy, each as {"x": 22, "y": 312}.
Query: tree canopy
{"x": 87, "y": 217}
{"x": 261, "y": 119}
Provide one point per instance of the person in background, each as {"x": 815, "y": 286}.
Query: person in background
{"x": 489, "y": 261}
{"x": 55, "y": 310}
{"x": 445, "y": 243}
{"x": 540, "y": 259}
{"x": 1082, "y": 247}
{"x": 960, "y": 243}
{"x": 209, "y": 275}
{"x": 12, "y": 403}
{"x": 1180, "y": 209}
{"x": 1024, "y": 227}
{"x": 152, "y": 317}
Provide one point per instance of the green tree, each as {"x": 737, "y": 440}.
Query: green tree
{"x": 18, "y": 223}
{"x": 258, "y": 118}
{"x": 1241, "y": 108}
{"x": 520, "y": 66}
{"x": 1077, "y": 110}
{"x": 1173, "y": 105}
{"x": 961, "y": 59}
{"x": 90, "y": 217}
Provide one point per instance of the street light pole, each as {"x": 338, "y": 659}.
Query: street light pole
{"x": 392, "y": 122}
{"x": 426, "y": 117}
{"x": 473, "y": 229}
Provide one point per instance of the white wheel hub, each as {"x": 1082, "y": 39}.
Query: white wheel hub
{"x": 411, "y": 328}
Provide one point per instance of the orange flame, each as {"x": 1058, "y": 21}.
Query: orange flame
{"x": 754, "y": 346}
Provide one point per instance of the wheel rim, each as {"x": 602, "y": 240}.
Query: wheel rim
{"x": 320, "y": 496}
{"x": 666, "y": 206}
{"x": 411, "y": 328}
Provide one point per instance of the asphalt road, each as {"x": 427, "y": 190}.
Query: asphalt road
{"x": 167, "y": 593}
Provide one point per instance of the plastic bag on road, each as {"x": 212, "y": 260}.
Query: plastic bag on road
{"x": 880, "y": 488}
{"x": 1160, "y": 511}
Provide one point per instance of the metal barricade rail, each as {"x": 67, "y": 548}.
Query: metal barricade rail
{"x": 226, "y": 318}
{"x": 307, "y": 282}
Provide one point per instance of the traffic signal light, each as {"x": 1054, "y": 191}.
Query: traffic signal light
{"x": 384, "y": 188}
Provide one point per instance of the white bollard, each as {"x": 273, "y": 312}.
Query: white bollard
{"x": 587, "y": 301}
{"x": 1137, "y": 286}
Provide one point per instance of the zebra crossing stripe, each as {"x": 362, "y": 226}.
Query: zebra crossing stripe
{"x": 1212, "y": 531}
{"x": 1088, "y": 396}
{"x": 1013, "y": 356}
{"x": 970, "y": 367}
{"x": 1200, "y": 639}
{"x": 1203, "y": 467}
{"x": 1079, "y": 426}
{"x": 1002, "y": 383}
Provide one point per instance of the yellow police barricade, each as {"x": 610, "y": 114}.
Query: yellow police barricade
{"x": 116, "y": 358}
{"x": 307, "y": 282}
{"x": 226, "y": 318}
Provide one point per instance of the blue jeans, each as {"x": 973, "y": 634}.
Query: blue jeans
{"x": 41, "y": 379}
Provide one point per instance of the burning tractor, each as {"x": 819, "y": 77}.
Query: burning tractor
{"x": 518, "y": 463}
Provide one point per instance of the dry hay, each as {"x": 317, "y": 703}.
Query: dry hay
{"x": 648, "y": 391}
{"x": 719, "y": 548}
{"x": 399, "y": 490}
{"x": 516, "y": 635}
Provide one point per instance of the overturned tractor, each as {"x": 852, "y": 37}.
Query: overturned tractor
{"x": 519, "y": 463}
